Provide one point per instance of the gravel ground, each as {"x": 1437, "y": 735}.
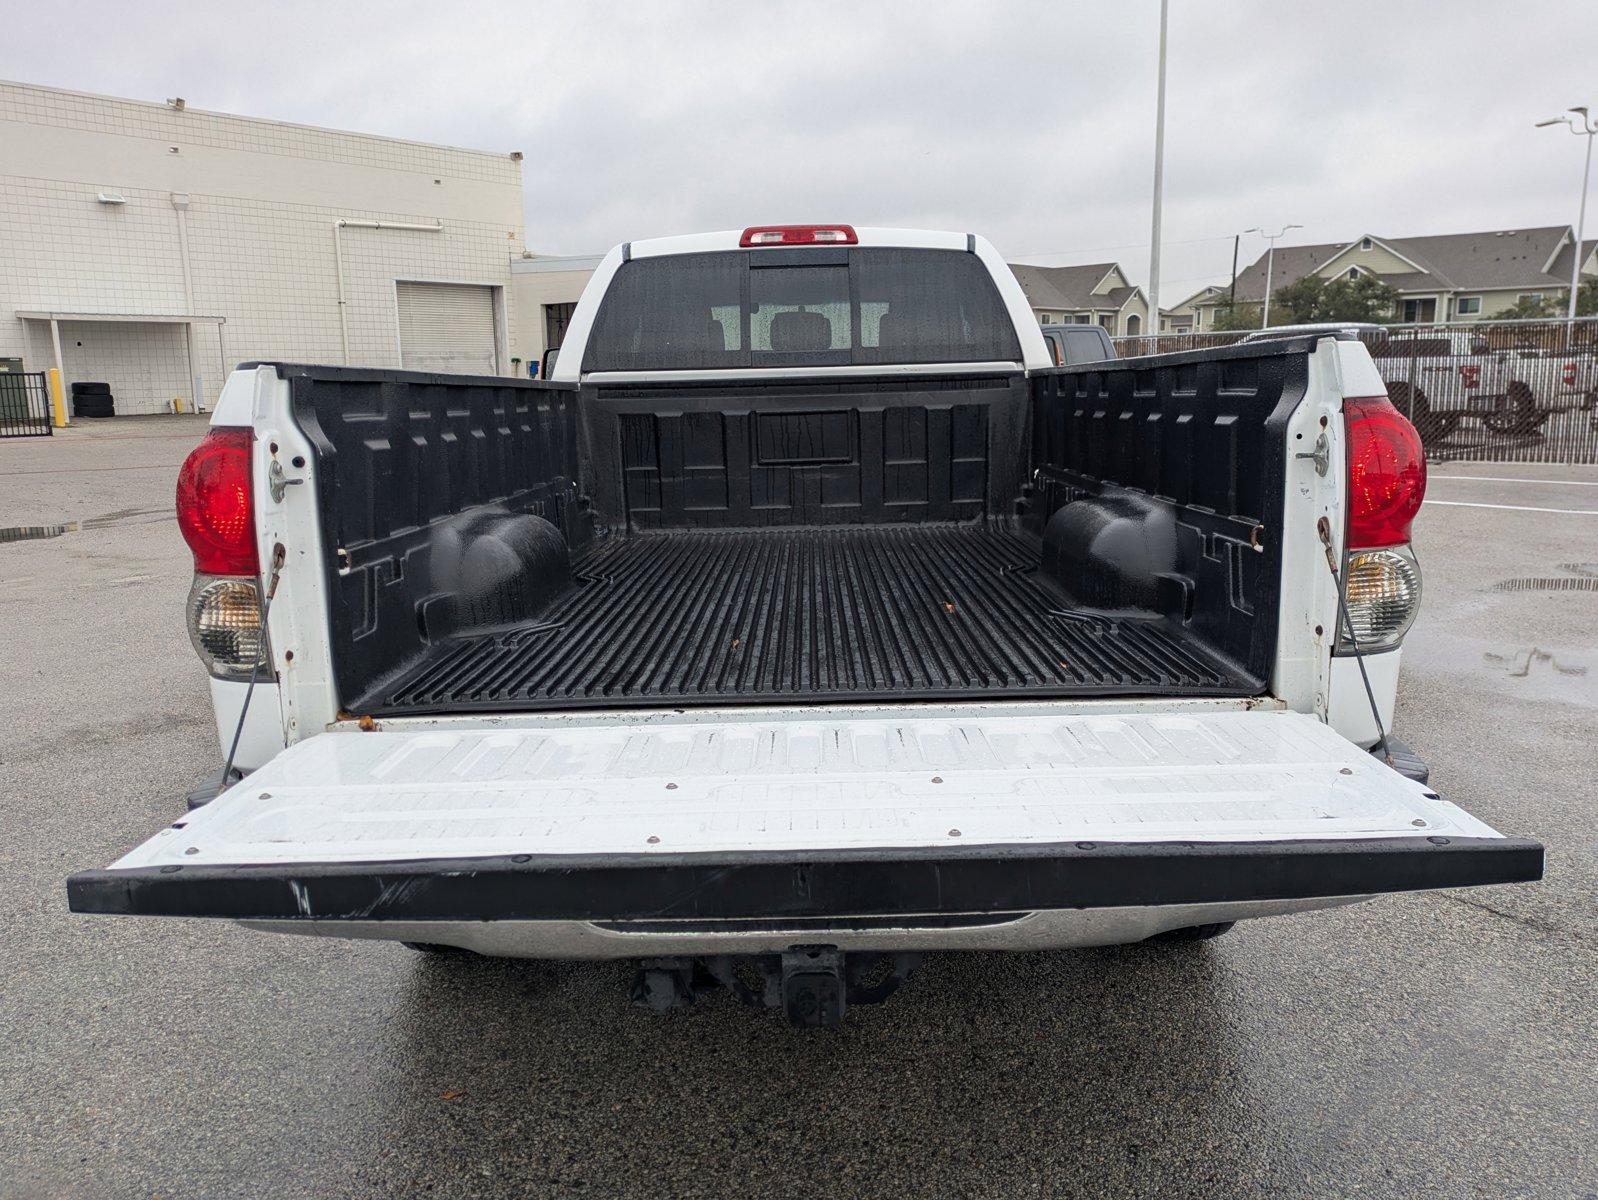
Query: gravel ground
{"x": 1433, "y": 1045}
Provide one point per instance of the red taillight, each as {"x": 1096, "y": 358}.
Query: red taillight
{"x": 1570, "y": 374}
{"x": 1386, "y": 473}
{"x": 216, "y": 512}
{"x": 799, "y": 235}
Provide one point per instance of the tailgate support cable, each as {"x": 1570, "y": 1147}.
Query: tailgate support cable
{"x": 1324, "y": 528}
{"x": 278, "y": 555}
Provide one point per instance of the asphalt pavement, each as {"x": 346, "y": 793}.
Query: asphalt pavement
{"x": 1439, "y": 1045}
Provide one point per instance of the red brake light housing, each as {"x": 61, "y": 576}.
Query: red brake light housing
{"x": 216, "y": 507}
{"x": 1386, "y": 473}
{"x": 799, "y": 235}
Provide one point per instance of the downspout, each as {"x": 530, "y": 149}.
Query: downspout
{"x": 180, "y": 205}
{"x": 338, "y": 264}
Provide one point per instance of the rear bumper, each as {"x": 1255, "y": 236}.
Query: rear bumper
{"x": 840, "y": 884}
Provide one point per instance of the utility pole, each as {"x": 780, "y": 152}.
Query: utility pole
{"x": 1270, "y": 263}
{"x": 1159, "y": 180}
{"x": 1237, "y": 240}
{"x": 1588, "y": 128}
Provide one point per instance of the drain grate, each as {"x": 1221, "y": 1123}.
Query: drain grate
{"x": 33, "y": 533}
{"x": 1584, "y": 584}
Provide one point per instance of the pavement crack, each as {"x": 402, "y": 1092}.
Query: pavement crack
{"x": 1519, "y": 919}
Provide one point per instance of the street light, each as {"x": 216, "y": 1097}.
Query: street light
{"x": 1587, "y": 128}
{"x": 1270, "y": 262}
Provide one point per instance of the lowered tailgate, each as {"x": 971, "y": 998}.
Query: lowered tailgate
{"x": 806, "y": 814}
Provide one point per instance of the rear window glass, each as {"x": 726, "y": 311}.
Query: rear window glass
{"x": 824, "y": 307}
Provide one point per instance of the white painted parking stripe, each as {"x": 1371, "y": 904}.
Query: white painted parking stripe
{"x": 1571, "y": 512}
{"x": 1507, "y": 479}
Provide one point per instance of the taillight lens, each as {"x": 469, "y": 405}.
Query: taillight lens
{"x": 216, "y": 509}
{"x": 224, "y": 622}
{"x": 1386, "y": 473}
{"x": 1382, "y": 591}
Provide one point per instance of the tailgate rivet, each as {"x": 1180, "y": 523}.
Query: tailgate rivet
{"x": 937, "y": 779}
{"x": 192, "y": 850}
{"x": 1418, "y": 823}
{"x": 652, "y": 840}
{"x": 266, "y": 795}
{"x": 1437, "y": 841}
{"x": 671, "y": 787}
{"x": 954, "y": 833}
{"x": 1345, "y": 770}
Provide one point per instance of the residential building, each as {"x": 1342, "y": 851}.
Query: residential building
{"x": 545, "y": 289}
{"x": 1439, "y": 278}
{"x": 1099, "y": 294}
{"x": 1196, "y": 314}
{"x": 153, "y": 246}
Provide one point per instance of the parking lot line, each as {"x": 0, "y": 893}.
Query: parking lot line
{"x": 1507, "y": 479}
{"x": 1572, "y": 512}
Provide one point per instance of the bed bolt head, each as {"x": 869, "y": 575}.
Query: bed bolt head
{"x": 1418, "y": 823}
{"x": 652, "y": 840}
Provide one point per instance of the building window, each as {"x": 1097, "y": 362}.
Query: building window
{"x": 1353, "y": 272}
{"x": 1364, "y": 243}
{"x": 1108, "y": 321}
{"x": 1538, "y": 297}
{"x": 556, "y": 319}
{"x": 1468, "y": 306}
{"x": 1045, "y": 319}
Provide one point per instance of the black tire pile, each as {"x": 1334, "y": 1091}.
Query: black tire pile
{"x": 93, "y": 400}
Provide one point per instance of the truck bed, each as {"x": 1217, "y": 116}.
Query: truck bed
{"x": 819, "y": 614}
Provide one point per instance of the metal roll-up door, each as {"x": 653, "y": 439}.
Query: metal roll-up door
{"x": 447, "y": 327}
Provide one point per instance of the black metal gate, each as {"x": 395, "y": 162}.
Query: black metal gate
{"x": 24, "y": 404}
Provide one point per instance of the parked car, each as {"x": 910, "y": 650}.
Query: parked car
{"x": 809, "y": 619}
{"x": 1071, "y": 345}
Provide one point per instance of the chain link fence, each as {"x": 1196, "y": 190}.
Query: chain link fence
{"x": 1509, "y": 391}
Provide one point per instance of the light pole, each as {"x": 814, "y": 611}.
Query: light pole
{"x": 1270, "y": 262}
{"x": 1159, "y": 182}
{"x": 1587, "y": 128}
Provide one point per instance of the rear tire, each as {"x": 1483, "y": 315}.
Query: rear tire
{"x": 1193, "y": 933}
{"x": 1519, "y": 413}
{"x": 1432, "y": 426}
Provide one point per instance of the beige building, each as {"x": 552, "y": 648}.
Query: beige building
{"x": 545, "y": 289}
{"x": 1196, "y": 314}
{"x": 153, "y": 246}
{"x": 1442, "y": 278}
{"x": 1099, "y": 294}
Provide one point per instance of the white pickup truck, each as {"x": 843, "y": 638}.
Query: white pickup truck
{"x": 807, "y": 620}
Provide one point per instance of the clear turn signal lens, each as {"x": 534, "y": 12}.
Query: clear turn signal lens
{"x": 1382, "y": 591}
{"x": 225, "y": 625}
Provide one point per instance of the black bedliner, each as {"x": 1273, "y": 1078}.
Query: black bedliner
{"x": 815, "y": 614}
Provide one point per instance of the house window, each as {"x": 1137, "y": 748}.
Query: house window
{"x": 1468, "y": 306}
{"x": 1364, "y": 243}
{"x": 557, "y": 317}
{"x": 1045, "y": 319}
{"x": 1535, "y": 296}
{"x": 1353, "y": 273}
{"x": 1081, "y": 319}
{"x": 1108, "y": 321}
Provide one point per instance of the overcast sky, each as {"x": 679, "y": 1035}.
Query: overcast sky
{"x": 1030, "y": 123}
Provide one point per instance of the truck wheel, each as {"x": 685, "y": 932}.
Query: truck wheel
{"x": 1519, "y": 412}
{"x": 1193, "y": 933}
{"x": 1432, "y": 426}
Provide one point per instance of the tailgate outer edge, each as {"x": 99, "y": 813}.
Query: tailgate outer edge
{"x": 661, "y": 885}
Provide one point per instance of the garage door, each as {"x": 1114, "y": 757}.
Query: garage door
{"x": 447, "y": 327}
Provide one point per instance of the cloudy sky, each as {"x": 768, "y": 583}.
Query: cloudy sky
{"x": 1031, "y": 123}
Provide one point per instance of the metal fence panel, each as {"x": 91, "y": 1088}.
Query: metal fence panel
{"x": 1511, "y": 391}
{"x": 24, "y": 404}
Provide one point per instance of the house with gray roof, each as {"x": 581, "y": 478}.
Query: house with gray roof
{"x": 1097, "y": 294}
{"x": 1439, "y": 278}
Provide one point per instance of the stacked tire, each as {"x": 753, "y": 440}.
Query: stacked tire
{"x": 92, "y": 400}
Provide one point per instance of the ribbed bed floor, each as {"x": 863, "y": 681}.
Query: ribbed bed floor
{"x": 908, "y": 611}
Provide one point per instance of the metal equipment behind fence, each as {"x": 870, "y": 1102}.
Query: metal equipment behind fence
{"x": 1509, "y": 391}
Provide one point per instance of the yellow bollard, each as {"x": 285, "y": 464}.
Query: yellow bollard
{"x": 58, "y": 400}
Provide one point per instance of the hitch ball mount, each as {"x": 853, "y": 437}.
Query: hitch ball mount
{"x": 813, "y": 985}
